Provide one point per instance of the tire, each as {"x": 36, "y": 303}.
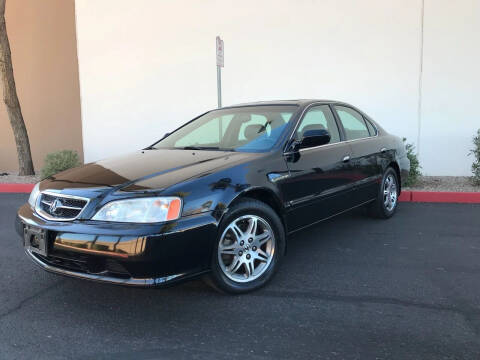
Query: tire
{"x": 245, "y": 259}
{"x": 381, "y": 208}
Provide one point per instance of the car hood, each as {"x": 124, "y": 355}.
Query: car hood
{"x": 146, "y": 170}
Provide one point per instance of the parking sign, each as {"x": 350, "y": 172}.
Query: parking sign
{"x": 220, "y": 52}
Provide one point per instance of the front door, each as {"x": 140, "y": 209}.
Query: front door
{"x": 320, "y": 182}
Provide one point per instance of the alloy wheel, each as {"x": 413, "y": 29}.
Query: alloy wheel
{"x": 246, "y": 248}
{"x": 390, "y": 192}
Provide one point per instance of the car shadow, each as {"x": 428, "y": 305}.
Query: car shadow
{"x": 303, "y": 246}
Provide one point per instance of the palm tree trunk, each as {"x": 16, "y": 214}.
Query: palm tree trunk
{"x": 10, "y": 98}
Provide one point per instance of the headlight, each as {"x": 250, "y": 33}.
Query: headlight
{"x": 143, "y": 210}
{"x": 32, "y": 200}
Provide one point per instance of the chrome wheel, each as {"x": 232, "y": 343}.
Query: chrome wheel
{"x": 390, "y": 192}
{"x": 246, "y": 248}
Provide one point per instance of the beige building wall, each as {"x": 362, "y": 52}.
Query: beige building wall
{"x": 44, "y": 55}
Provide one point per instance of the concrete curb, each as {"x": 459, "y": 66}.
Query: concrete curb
{"x": 406, "y": 196}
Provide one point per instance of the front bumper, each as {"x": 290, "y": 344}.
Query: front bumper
{"x": 140, "y": 255}
{"x": 141, "y": 282}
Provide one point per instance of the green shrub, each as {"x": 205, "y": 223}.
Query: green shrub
{"x": 414, "y": 164}
{"x": 59, "y": 161}
{"x": 476, "y": 163}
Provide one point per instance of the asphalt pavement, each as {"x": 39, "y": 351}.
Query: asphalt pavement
{"x": 349, "y": 288}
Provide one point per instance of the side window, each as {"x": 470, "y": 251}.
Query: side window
{"x": 353, "y": 123}
{"x": 319, "y": 117}
{"x": 371, "y": 128}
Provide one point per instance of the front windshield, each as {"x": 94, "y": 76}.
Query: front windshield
{"x": 249, "y": 129}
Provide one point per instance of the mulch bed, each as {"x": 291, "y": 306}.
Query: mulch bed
{"x": 444, "y": 184}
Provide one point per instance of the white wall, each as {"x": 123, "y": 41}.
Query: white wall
{"x": 451, "y": 86}
{"x": 147, "y": 67}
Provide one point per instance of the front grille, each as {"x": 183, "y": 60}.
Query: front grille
{"x": 60, "y": 207}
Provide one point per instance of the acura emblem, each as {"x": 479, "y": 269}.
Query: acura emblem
{"x": 55, "y": 204}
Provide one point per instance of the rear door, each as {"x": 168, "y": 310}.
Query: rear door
{"x": 320, "y": 181}
{"x": 367, "y": 170}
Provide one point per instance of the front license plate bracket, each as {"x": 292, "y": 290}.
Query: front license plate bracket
{"x": 35, "y": 240}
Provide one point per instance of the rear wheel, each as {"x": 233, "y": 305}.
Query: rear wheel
{"x": 387, "y": 200}
{"x": 248, "y": 249}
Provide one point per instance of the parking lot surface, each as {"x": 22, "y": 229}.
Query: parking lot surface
{"x": 349, "y": 288}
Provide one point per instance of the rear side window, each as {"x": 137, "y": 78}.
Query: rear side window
{"x": 319, "y": 118}
{"x": 353, "y": 123}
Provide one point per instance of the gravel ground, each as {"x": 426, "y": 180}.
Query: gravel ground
{"x": 445, "y": 183}
{"x": 13, "y": 178}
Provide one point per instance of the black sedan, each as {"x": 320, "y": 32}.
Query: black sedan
{"x": 218, "y": 196}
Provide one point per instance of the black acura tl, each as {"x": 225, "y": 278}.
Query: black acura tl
{"x": 218, "y": 196}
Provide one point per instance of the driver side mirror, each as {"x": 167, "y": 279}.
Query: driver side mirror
{"x": 312, "y": 138}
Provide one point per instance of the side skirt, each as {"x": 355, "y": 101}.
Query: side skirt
{"x": 331, "y": 216}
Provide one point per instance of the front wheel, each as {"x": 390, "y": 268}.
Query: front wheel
{"x": 387, "y": 199}
{"x": 248, "y": 249}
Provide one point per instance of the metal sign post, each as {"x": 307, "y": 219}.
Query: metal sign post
{"x": 220, "y": 49}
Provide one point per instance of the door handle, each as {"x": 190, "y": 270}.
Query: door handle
{"x": 382, "y": 150}
{"x": 346, "y": 159}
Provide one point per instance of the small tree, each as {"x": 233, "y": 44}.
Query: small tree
{"x": 10, "y": 98}
{"x": 414, "y": 164}
{"x": 476, "y": 163}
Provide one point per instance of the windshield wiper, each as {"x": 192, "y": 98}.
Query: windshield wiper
{"x": 205, "y": 148}
{"x": 201, "y": 148}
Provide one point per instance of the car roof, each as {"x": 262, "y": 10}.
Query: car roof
{"x": 303, "y": 103}
{"x": 298, "y": 102}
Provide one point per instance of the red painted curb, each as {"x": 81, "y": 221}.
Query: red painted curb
{"x": 16, "y": 188}
{"x": 446, "y": 197}
{"x": 440, "y": 197}
{"x": 405, "y": 196}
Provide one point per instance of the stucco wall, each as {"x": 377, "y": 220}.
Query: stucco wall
{"x": 145, "y": 69}
{"x": 44, "y": 55}
{"x": 451, "y": 85}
